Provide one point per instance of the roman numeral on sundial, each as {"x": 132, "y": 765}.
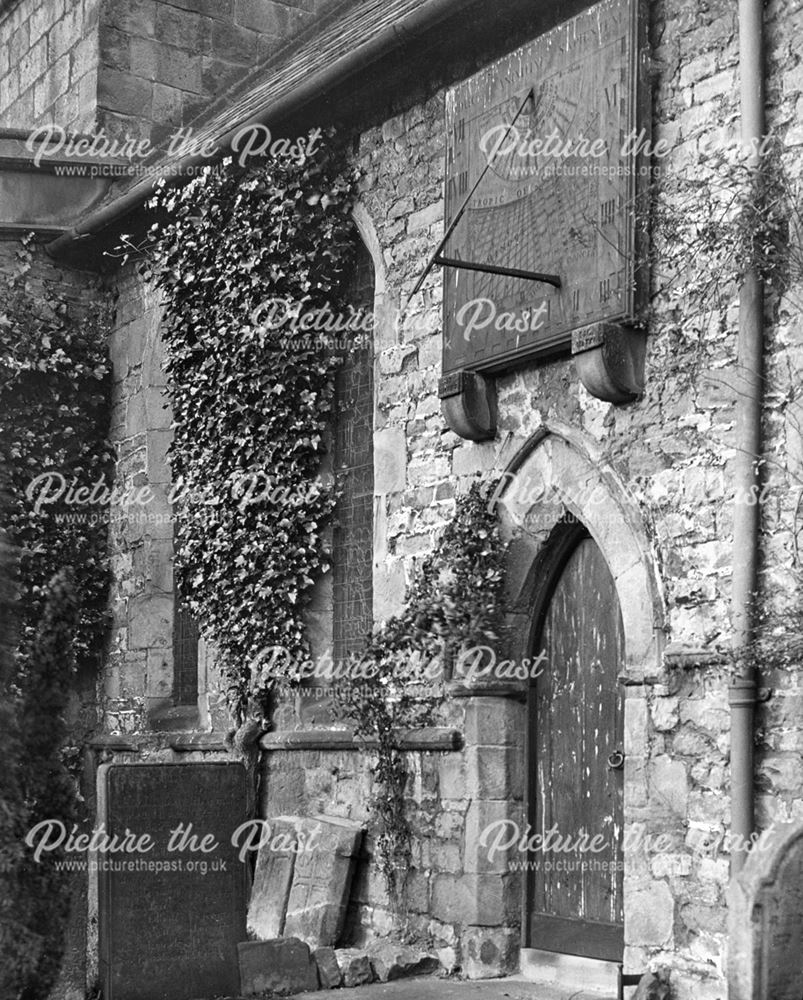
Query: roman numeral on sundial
{"x": 456, "y": 188}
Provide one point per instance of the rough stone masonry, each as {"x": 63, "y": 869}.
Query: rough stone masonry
{"x": 148, "y": 66}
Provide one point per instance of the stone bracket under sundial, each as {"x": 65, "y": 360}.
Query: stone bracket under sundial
{"x": 544, "y": 183}
{"x": 608, "y": 358}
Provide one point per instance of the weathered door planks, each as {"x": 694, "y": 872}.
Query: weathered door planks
{"x": 575, "y": 887}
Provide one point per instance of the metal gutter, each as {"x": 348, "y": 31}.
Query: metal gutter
{"x": 746, "y": 511}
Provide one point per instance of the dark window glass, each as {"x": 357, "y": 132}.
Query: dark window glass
{"x": 185, "y": 653}
{"x": 354, "y": 468}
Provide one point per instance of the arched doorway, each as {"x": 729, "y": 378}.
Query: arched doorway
{"x": 558, "y": 481}
{"x": 575, "y": 755}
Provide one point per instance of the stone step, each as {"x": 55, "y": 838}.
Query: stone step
{"x": 287, "y": 965}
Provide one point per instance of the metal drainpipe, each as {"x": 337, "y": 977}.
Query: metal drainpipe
{"x": 746, "y": 515}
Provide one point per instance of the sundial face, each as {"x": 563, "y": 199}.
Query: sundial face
{"x": 558, "y": 196}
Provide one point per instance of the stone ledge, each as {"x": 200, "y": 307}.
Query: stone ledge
{"x": 122, "y": 744}
{"x": 691, "y": 657}
{"x": 187, "y": 742}
{"x": 430, "y": 738}
{"x": 456, "y": 689}
{"x": 180, "y": 742}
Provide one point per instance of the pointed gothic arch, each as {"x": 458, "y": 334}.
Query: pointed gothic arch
{"x": 559, "y": 475}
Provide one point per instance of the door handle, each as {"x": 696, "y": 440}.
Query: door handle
{"x": 616, "y": 760}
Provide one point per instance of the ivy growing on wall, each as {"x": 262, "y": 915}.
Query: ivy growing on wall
{"x": 54, "y": 382}
{"x": 710, "y": 222}
{"x": 454, "y": 603}
{"x": 54, "y": 415}
{"x": 36, "y": 894}
{"x": 712, "y": 216}
{"x": 252, "y": 395}
{"x": 248, "y": 261}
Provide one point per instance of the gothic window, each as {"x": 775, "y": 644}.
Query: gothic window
{"x": 352, "y": 542}
{"x": 185, "y": 653}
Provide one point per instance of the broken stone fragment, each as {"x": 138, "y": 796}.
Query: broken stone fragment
{"x": 393, "y": 961}
{"x": 284, "y": 965}
{"x": 329, "y": 972}
{"x": 448, "y": 959}
{"x": 355, "y": 966}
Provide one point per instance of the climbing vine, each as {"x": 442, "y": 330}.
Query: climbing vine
{"x": 706, "y": 224}
{"x": 54, "y": 417}
{"x": 54, "y": 409}
{"x": 711, "y": 219}
{"x": 454, "y": 603}
{"x": 253, "y": 265}
{"x": 252, "y": 397}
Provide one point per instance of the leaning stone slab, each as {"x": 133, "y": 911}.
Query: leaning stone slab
{"x": 329, "y": 972}
{"x": 355, "y": 966}
{"x": 285, "y": 965}
{"x": 765, "y": 919}
{"x": 316, "y": 908}
{"x": 273, "y": 877}
{"x": 393, "y": 961}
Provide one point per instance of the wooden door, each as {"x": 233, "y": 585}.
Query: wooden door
{"x": 575, "y": 768}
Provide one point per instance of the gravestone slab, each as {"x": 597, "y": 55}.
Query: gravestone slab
{"x": 170, "y": 918}
{"x": 765, "y": 918}
{"x": 273, "y": 877}
{"x": 316, "y": 909}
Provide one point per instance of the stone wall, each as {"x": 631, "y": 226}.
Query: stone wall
{"x": 672, "y": 451}
{"x": 458, "y": 903}
{"x": 49, "y": 64}
{"x": 669, "y": 456}
{"x": 779, "y": 739}
{"x": 137, "y": 694}
{"x": 162, "y": 64}
{"x": 136, "y": 70}
{"x": 140, "y": 662}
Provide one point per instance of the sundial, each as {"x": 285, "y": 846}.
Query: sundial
{"x": 543, "y": 142}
